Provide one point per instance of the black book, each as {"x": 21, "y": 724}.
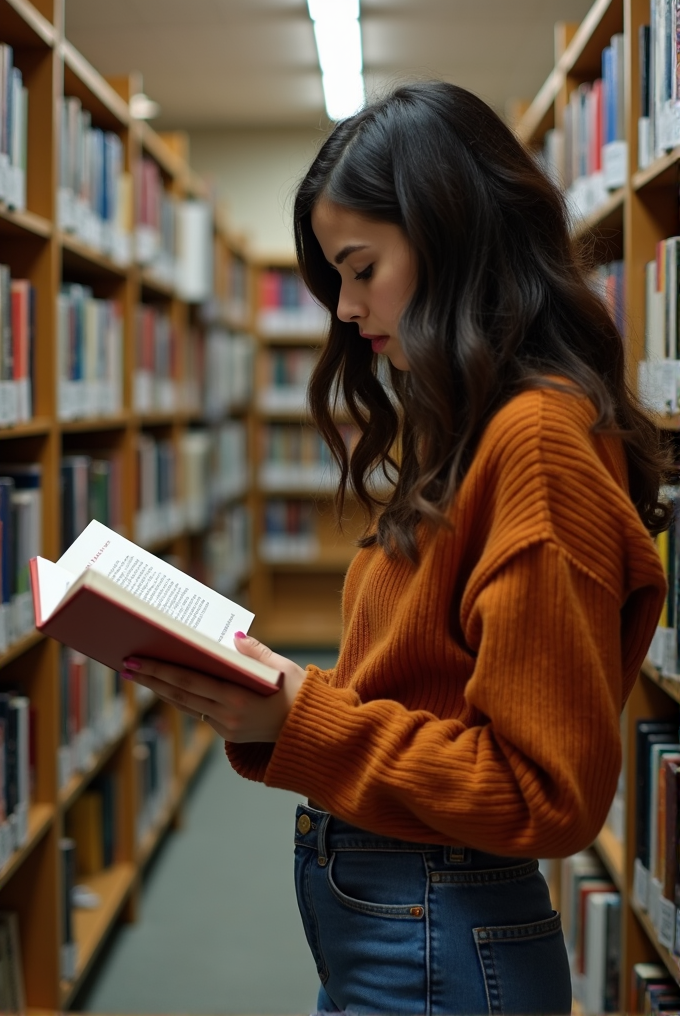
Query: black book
{"x": 647, "y": 733}
{"x": 643, "y": 57}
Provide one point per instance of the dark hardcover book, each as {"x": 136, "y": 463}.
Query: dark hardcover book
{"x": 670, "y": 874}
{"x": 647, "y": 733}
{"x": 643, "y": 58}
{"x": 67, "y": 847}
{"x": 642, "y": 975}
{"x": 6, "y": 539}
{"x": 9, "y": 718}
{"x": 106, "y": 786}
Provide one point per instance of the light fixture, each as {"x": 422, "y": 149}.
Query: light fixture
{"x": 142, "y": 107}
{"x": 338, "y": 41}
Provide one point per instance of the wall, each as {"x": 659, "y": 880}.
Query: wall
{"x": 255, "y": 173}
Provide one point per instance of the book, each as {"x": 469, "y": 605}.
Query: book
{"x": 109, "y": 599}
{"x": 642, "y": 975}
{"x": 602, "y": 952}
{"x": 85, "y": 825}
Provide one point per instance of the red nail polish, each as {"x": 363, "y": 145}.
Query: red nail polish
{"x": 126, "y": 675}
{"x": 240, "y": 635}
{"x": 132, "y": 664}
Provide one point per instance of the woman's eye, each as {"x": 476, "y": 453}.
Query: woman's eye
{"x": 366, "y": 274}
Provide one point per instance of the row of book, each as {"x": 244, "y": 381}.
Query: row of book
{"x": 91, "y": 823}
{"x": 656, "y": 885}
{"x": 591, "y": 921}
{"x": 154, "y": 763}
{"x": 228, "y": 305}
{"x": 659, "y": 372}
{"x": 92, "y": 712}
{"x": 228, "y": 549}
{"x": 91, "y": 488}
{"x": 286, "y": 306}
{"x": 289, "y": 531}
{"x": 155, "y": 385}
{"x": 20, "y": 540}
{"x": 659, "y": 69}
{"x": 95, "y": 192}
{"x": 664, "y": 651}
{"x": 285, "y": 379}
{"x": 15, "y": 772}
{"x": 12, "y": 979}
{"x": 297, "y": 456}
{"x": 155, "y": 222}
{"x": 588, "y": 157}
{"x": 13, "y": 131}
{"x": 89, "y": 354}
{"x": 227, "y": 372}
{"x": 17, "y": 344}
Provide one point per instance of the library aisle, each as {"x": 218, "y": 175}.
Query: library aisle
{"x": 218, "y": 929}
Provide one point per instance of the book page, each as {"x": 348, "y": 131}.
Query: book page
{"x": 156, "y": 582}
{"x": 53, "y": 584}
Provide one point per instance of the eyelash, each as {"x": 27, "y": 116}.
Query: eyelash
{"x": 366, "y": 274}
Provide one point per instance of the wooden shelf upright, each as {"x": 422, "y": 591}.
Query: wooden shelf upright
{"x": 36, "y": 247}
{"x": 627, "y": 226}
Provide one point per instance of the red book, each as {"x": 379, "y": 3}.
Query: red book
{"x": 109, "y": 599}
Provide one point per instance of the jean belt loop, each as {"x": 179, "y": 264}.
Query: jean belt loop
{"x": 321, "y": 840}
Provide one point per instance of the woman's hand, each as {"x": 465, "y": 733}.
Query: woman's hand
{"x": 235, "y": 713}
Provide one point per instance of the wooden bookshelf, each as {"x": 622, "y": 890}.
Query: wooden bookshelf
{"x": 36, "y": 246}
{"x": 628, "y": 226}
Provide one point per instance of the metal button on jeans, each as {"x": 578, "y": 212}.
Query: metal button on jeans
{"x": 304, "y": 824}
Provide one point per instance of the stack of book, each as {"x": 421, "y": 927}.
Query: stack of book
{"x": 286, "y": 307}
{"x": 91, "y": 488}
{"x": 154, "y": 760}
{"x": 20, "y": 540}
{"x": 653, "y": 989}
{"x": 15, "y": 779}
{"x": 227, "y": 550}
{"x": 155, "y": 223}
{"x": 289, "y": 531}
{"x": 95, "y": 192}
{"x": 92, "y": 711}
{"x": 13, "y": 131}
{"x": 657, "y": 870}
{"x": 89, "y": 354}
{"x": 160, "y": 511}
{"x": 17, "y": 344}
{"x": 287, "y": 374}
{"x": 659, "y": 70}
{"x": 227, "y": 372}
{"x": 91, "y": 823}
{"x": 591, "y": 920}
{"x": 298, "y": 458}
{"x": 590, "y": 157}
{"x": 155, "y": 385}
{"x": 659, "y": 372}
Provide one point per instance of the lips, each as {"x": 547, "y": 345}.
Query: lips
{"x": 378, "y": 342}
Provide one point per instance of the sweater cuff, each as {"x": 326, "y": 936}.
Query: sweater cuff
{"x": 313, "y": 722}
{"x": 249, "y": 760}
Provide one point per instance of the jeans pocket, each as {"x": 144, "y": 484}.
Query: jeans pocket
{"x": 304, "y": 862}
{"x": 366, "y": 892}
{"x": 525, "y": 967}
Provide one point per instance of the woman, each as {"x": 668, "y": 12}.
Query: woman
{"x": 507, "y": 587}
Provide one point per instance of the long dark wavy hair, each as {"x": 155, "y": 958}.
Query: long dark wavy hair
{"x": 502, "y": 300}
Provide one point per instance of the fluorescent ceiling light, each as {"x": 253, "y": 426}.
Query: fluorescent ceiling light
{"x": 338, "y": 42}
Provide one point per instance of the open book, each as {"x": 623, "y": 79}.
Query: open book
{"x": 109, "y": 599}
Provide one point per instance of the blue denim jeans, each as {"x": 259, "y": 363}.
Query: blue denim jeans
{"x": 409, "y": 928}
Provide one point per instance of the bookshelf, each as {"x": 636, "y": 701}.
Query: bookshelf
{"x": 116, "y": 260}
{"x": 625, "y": 223}
{"x": 300, "y": 556}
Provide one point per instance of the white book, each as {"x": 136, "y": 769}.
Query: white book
{"x": 602, "y": 912}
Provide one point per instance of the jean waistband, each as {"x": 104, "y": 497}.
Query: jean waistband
{"x": 323, "y": 832}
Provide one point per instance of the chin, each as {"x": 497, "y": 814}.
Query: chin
{"x": 399, "y": 362}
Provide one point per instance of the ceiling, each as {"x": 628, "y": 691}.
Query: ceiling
{"x": 240, "y": 63}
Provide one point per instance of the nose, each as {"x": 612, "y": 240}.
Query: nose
{"x": 351, "y": 307}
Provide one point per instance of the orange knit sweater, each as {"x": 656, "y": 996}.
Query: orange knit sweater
{"x": 476, "y": 698}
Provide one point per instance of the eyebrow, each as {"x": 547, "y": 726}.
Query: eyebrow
{"x": 346, "y": 251}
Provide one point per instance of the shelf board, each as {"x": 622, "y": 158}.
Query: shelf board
{"x": 79, "y": 781}
{"x": 661, "y": 172}
{"x": 77, "y": 254}
{"x": 610, "y": 850}
{"x": 21, "y": 646}
{"x": 608, "y": 216}
{"x": 40, "y": 817}
{"x": 94, "y": 91}
{"x": 149, "y": 281}
{"x": 21, "y": 223}
{"x": 667, "y": 684}
{"x": 92, "y": 926}
{"x": 154, "y": 145}
{"x": 118, "y": 422}
{"x": 583, "y": 55}
{"x": 539, "y": 115}
{"x": 36, "y": 427}
{"x": 670, "y": 961}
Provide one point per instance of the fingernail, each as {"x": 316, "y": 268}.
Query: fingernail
{"x": 132, "y": 663}
{"x": 240, "y": 635}
{"x": 127, "y": 676}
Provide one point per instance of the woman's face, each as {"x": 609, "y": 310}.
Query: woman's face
{"x": 377, "y": 269}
